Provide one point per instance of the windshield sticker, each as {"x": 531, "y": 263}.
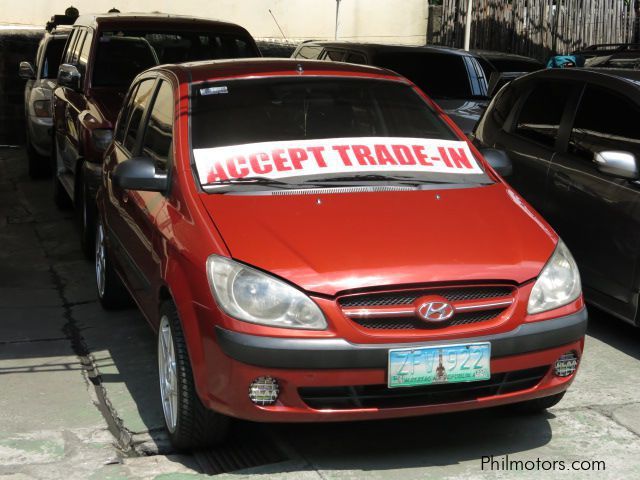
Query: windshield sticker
{"x": 214, "y": 91}
{"x": 285, "y": 159}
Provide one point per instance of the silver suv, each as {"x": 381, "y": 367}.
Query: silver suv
{"x": 38, "y": 94}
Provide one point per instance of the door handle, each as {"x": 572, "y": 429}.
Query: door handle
{"x": 125, "y": 197}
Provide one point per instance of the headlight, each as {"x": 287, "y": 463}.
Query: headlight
{"x": 42, "y": 108}
{"x": 557, "y": 284}
{"x": 250, "y": 295}
{"x": 101, "y": 138}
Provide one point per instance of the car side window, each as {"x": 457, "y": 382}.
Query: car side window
{"x": 309, "y": 52}
{"x": 158, "y": 136}
{"x": 334, "y": 55}
{"x": 121, "y": 125}
{"x": 75, "y": 56}
{"x": 71, "y": 43}
{"x": 604, "y": 122}
{"x": 539, "y": 118}
{"x": 138, "y": 106}
{"x": 83, "y": 56}
{"x": 354, "y": 57}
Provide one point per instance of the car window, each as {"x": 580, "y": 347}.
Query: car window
{"x": 309, "y": 52}
{"x": 84, "y": 52}
{"x": 158, "y": 135}
{"x": 604, "y": 122}
{"x": 75, "y": 56}
{"x": 358, "y": 58}
{"x": 539, "y": 118}
{"x": 52, "y": 57}
{"x": 123, "y": 118}
{"x": 70, "y": 45}
{"x": 452, "y": 81}
{"x": 334, "y": 55}
{"x": 140, "y": 102}
{"x": 122, "y": 54}
{"x": 503, "y": 102}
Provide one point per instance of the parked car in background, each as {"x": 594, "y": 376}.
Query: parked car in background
{"x": 453, "y": 78}
{"x": 41, "y": 76}
{"x": 575, "y": 148}
{"x": 315, "y": 241}
{"x": 500, "y": 68}
{"x": 103, "y": 54}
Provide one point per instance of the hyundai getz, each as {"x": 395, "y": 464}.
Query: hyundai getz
{"x": 317, "y": 241}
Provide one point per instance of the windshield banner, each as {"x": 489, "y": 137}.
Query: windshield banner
{"x": 367, "y": 155}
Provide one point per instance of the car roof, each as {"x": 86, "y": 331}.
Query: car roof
{"x": 141, "y": 19}
{"x": 584, "y": 74}
{"x": 265, "y": 67}
{"x": 495, "y": 55}
{"x": 387, "y": 48}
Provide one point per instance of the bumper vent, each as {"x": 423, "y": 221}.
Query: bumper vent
{"x": 379, "y": 396}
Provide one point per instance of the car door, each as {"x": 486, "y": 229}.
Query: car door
{"x": 128, "y": 221}
{"x": 67, "y": 112}
{"x": 597, "y": 214}
{"x": 531, "y": 136}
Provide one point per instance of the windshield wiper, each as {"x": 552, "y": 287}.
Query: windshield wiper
{"x": 261, "y": 181}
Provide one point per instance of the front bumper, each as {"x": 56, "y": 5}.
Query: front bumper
{"x": 311, "y": 365}
{"x": 40, "y": 134}
{"x": 338, "y": 353}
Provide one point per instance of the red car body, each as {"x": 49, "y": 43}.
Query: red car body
{"x": 335, "y": 247}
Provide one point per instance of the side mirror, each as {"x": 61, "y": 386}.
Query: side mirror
{"x": 617, "y": 164}
{"x": 139, "y": 173}
{"x": 69, "y": 76}
{"x": 26, "y": 71}
{"x": 499, "y": 160}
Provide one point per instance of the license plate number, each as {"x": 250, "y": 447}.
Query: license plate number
{"x": 410, "y": 367}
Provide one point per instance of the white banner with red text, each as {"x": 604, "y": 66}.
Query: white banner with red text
{"x": 367, "y": 155}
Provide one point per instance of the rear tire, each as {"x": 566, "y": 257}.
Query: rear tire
{"x": 537, "y": 405}
{"x": 110, "y": 289}
{"x": 189, "y": 423}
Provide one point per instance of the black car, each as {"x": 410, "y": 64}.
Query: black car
{"x": 453, "y": 78}
{"x": 575, "y": 146}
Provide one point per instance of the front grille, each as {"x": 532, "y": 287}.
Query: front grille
{"x": 379, "y": 396}
{"x": 413, "y": 323}
{"x": 408, "y": 297}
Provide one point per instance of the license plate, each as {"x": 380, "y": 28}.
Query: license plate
{"x": 410, "y": 367}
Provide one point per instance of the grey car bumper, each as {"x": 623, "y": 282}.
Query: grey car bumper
{"x": 338, "y": 353}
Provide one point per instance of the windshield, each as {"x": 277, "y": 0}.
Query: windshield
{"x": 315, "y": 129}
{"x": 122, "y": 54}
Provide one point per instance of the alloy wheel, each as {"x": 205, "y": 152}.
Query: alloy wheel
{"x": 167, "y": 374}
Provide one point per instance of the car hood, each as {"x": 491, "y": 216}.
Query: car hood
{"x": 329, "y": 243}
{"x": 104, "y": 106}
{"x": 465, "y": 113}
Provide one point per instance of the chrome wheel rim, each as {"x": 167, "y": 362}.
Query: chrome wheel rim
{"x": 168, "y": 377}
{"x": 101, "y": 261}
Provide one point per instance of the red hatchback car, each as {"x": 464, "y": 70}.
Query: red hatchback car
{"x": 316, "y": 241}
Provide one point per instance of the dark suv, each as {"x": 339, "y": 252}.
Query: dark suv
{"x": 575, "y": 147}
{"x": 102, "y": 56}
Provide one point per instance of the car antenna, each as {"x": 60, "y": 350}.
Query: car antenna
{"x": 278, "y": 25}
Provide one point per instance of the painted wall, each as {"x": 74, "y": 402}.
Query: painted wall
{"x": 396, "y": 21}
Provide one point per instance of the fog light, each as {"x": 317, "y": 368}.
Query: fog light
{"x": 566, "y": 364}
{"x": 264, "y": 391}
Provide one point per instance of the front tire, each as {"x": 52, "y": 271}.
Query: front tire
{"x": 537, "y": 405}
{"x": 189, "y": 423}
{"x": 111, "y": 291}
{"x": 39, "y": 166}
{"x": 60, "y": 195}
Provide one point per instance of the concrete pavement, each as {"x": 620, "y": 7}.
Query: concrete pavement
{"x": 78, "y": 393}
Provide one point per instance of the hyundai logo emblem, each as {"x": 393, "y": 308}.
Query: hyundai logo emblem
{"x": 435, "y": 311}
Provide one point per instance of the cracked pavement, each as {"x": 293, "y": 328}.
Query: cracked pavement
{"x": 78, "y": 392}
